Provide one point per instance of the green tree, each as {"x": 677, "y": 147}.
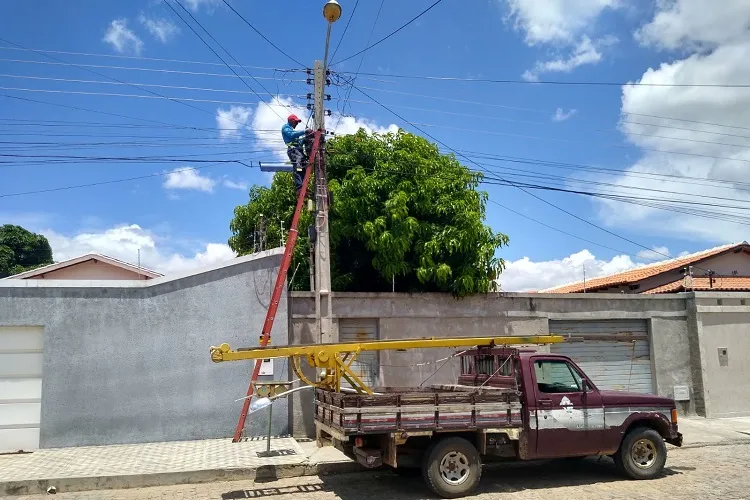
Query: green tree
{"x": 21, "y": 250}
{"x": 402, "y": 212}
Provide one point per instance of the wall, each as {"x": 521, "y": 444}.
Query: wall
{"x": 426, "y": 315}
{"x": 725, "y": 325}
{"x": 128, "y": 361}
{"x": 89, "y": 270}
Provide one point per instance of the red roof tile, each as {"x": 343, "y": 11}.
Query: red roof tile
{"x": 720, "y": 283}
{"x": 643, "y": 272}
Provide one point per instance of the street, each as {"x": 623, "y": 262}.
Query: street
{"x": 701, "y": 472}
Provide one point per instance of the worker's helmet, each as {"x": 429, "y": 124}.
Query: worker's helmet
{"x": 293, "y": 119}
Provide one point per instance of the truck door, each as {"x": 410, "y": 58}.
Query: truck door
{"x": 567, "y": 419}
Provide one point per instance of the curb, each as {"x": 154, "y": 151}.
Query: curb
{"x": 262, "y": 473}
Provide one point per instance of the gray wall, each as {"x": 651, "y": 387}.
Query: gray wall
{"x": 127, "y": 362}
{"x": 725, "y": 324}
{"x": 440, "y": 315}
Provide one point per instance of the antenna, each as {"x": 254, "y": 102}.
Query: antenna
{"x": 584, "y": 278}
{"x": 139, "y": 263}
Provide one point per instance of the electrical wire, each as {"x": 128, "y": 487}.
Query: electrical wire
{"x": 346, "y": 28}
{"x": 217, "y": 54}
{"x": 142, "y": 58}
{"x": 521, "y": 188}
{"x": 389, "y": 34}
{"x": 262, "y": 35}
{"x": 555, "y": 82}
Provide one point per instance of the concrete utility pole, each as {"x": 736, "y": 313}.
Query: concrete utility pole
{"x": 323, "y": 308}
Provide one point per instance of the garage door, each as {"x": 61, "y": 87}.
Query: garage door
{"x": 615, "y": 354}
{"x": 361, "y": 330}
{"x": 20, "y": 387}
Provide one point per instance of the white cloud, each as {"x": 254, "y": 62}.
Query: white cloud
{"x": 188, "y": 178}
{"x": 124, "y": 241}
{"x": 195, "y": 5}
{"x": 728, "y": 162}
{"x": 585, "y": 52}
{"x": 267, "y": 120}
{"x": 122, "y": 38}
{"x": 545, "y": 21}
{"x": 241, "y": 185}
{"x": 161, "y": 29}
{"x": 561, "y": 115}
{"x": 655, "y": 254}
{"x": 525, "y": 275}
{"x": 696, "y": 24}
{"x": 233, "y": 121}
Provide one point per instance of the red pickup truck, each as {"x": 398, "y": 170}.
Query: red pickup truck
{"x": 508, "y": 404}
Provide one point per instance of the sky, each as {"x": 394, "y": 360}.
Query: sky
{"x": 639, "y": 101}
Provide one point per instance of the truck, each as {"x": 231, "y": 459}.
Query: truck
{"x": 507, "y": 404}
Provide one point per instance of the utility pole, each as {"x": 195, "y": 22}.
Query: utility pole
{"x": 323, "y": 307}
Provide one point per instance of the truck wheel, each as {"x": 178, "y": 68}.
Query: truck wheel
{"x": 452, "y": 467}
{"x": 642, "y": 454}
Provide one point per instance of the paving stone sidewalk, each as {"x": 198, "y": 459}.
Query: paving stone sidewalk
{"x": 151, "y": 464}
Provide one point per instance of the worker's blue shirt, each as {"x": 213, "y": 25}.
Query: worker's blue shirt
{"x": 289, "y": 134}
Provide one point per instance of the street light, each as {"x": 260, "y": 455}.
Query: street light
{"x": 332, "y": 13}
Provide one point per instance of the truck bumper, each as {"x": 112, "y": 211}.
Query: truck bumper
{"x": 675, "y": 438}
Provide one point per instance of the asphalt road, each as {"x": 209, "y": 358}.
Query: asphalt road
{"x": 707, "y": 472}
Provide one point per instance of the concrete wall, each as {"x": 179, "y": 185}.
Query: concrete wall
{"x": 128, "y": 361}
{"x": 426, "y": 315}
{"x": 724, "y": 321}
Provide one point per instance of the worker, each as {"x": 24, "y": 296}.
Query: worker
{"x": 294, "y": 149}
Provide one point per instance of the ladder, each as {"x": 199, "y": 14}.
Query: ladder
{"x": 279, "y": 285}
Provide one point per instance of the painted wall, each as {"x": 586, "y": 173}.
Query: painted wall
{"x": 90, "y": 270}
{"x": 725, "y": 349}
{"x": 128, "y": 361}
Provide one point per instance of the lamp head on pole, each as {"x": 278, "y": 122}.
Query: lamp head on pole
{"x": 332, "y": 11}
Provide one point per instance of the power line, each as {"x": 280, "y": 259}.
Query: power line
{"x": 521, "y": 188}
{"x": 346, "y": 28}
{"x": 389, "y": 34}
{"x": 359, "y": 66}
{"x": 217, "y": 54}
{"x": 142, "y": 58}
{"x": 555, "y": 82}
{"x": 262, "y": 35}
{"x": 135, "y": 68}
{"x": 129, "y": 84}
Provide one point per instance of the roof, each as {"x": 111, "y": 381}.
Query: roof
{"x": 85, "y": 258}
{"x": 644, "y": 272}
{"x": 720, "y": 283}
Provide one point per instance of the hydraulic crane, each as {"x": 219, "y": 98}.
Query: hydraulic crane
{"x": 335, "y": 360}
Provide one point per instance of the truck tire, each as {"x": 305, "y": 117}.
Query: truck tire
{"x": 642, "y": 454}
{"x": 452, "y": 467}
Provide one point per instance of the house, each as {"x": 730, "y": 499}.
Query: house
{"x": 723, "y": 268}
{"x": 92, "y": 266}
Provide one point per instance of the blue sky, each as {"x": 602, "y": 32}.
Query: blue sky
{"x": 182, "y": 219}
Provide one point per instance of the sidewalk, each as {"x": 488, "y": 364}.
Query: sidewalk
{"x": 160, "y": 464}
{"x": 190, "y": 462}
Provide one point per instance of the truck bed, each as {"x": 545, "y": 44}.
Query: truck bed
{"x": 428, "y": 409}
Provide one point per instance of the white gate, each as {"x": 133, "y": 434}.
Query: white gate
{"x": 20, "y": 387}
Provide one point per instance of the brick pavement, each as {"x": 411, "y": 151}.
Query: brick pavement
{"x": 707, "y": 472}
{"x": 145, "y": 458}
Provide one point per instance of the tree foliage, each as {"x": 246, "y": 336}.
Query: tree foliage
{"x": 403, "y": 214}
{"x": 21, "y": 250}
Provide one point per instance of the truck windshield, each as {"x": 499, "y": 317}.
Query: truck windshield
{"x": 554, "y": 376}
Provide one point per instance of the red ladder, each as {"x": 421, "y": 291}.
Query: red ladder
{"x": 279, "y": 286}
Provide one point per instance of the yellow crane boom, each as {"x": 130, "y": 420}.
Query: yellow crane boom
{"x": 336, "y": 359}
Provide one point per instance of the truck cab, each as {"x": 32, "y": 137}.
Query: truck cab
{"x": 507, "y": 404}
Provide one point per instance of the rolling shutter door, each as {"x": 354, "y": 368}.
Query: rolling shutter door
{"x": 361, "y": 330}
{"x": 20, "y": 387}
{"x": 615, "y": 353}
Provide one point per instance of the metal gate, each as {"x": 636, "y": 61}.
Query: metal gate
{"x": 362, "y": 330}
{"x": 615, "y": 353}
